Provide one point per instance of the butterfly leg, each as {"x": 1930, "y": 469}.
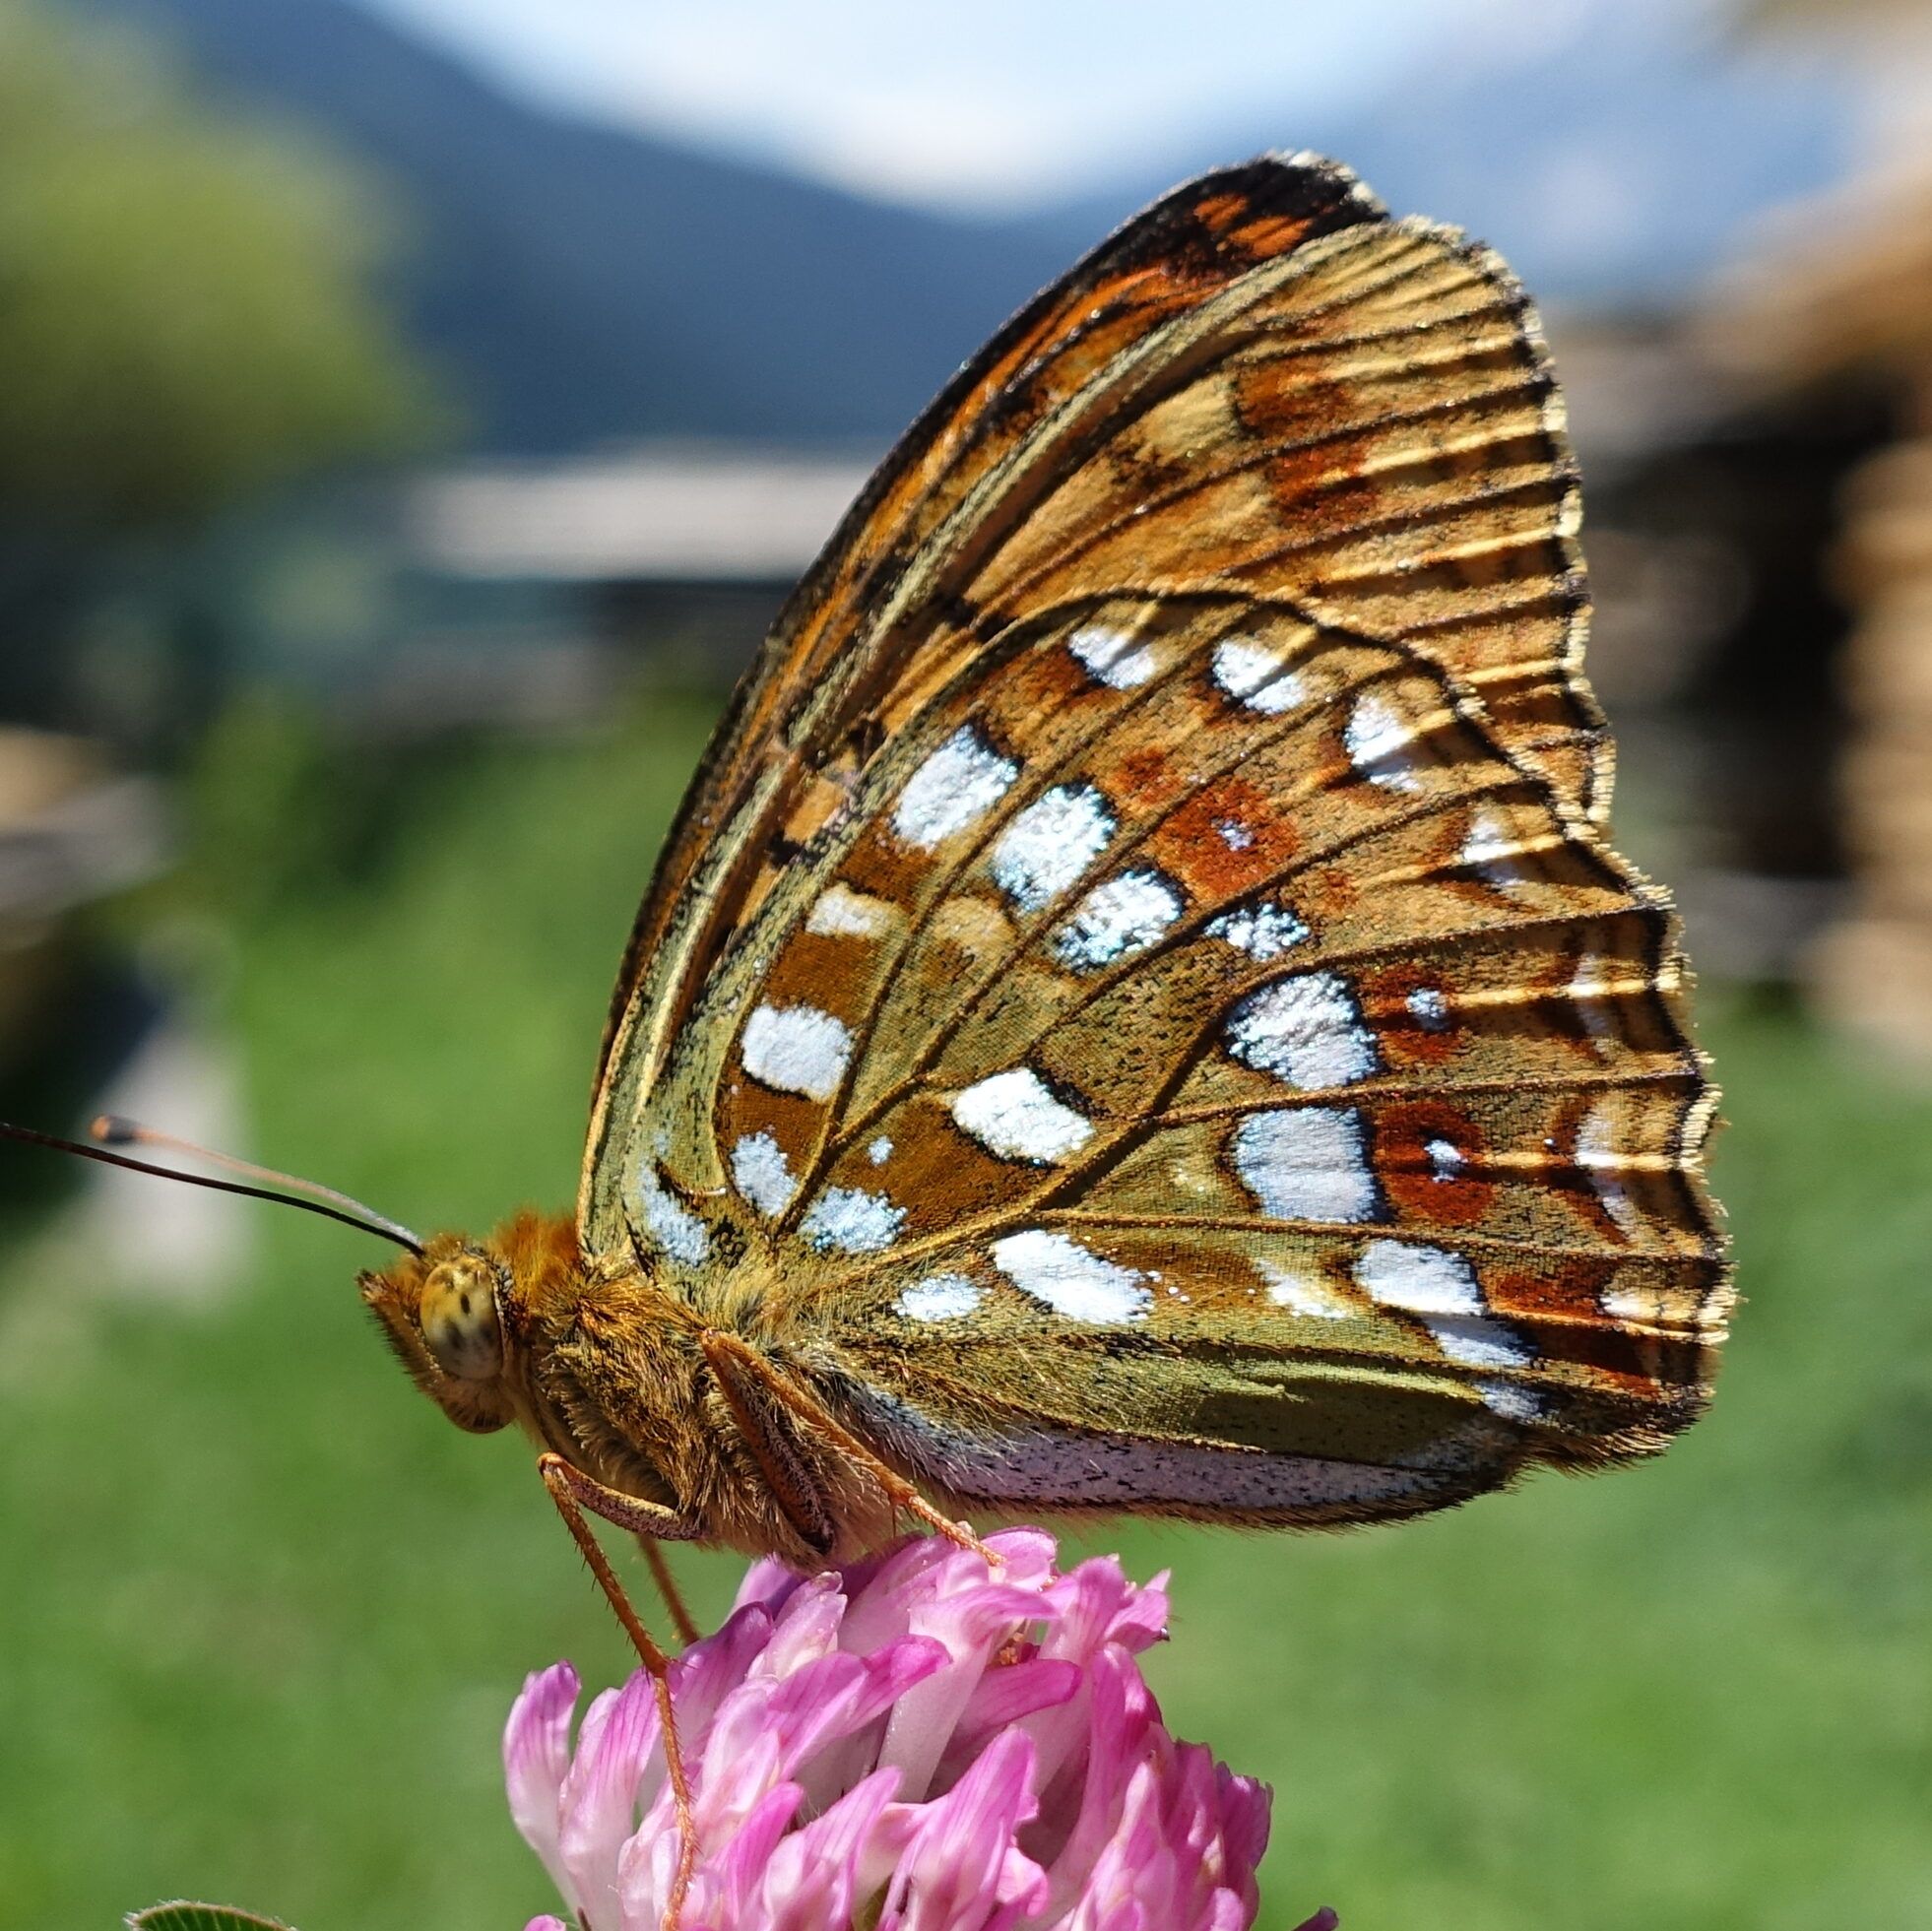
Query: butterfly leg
{"x": 573, "y": 1492}
{"x": 727, "y": 1355}
{"x": 674, "y": 1596}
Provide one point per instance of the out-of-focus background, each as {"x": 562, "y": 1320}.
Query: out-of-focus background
{"x": 410, "y": 412}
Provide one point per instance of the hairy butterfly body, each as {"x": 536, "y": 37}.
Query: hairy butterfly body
{"x": 1138, "y": 1010}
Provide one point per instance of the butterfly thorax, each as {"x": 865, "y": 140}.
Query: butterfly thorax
{"x": 624, "y": 1379}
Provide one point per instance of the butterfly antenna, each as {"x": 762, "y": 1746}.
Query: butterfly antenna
{"x": 307, "y": 1194}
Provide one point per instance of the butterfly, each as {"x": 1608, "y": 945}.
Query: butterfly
{"x": 1137, "y": 1010}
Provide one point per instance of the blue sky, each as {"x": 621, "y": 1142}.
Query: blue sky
{"x": 997, "y": 103}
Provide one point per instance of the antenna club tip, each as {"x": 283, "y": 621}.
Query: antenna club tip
{"x": 112, "y": 1130}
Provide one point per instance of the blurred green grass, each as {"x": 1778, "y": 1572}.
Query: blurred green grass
{"x": 263, "y": 1609}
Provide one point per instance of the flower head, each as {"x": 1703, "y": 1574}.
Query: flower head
{"x": 914, "y": 1742}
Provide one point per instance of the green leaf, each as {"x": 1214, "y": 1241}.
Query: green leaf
{"x": 200, "y": 1917}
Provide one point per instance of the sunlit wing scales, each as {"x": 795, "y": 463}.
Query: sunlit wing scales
{"x": 1139, "y": 1011}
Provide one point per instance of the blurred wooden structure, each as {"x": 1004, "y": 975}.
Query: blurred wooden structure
{"x": 1846, "y": 294}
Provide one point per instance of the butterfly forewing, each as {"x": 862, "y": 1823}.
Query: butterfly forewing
{"x": 1142, "y": 979}
{"x": 836, "y": 671}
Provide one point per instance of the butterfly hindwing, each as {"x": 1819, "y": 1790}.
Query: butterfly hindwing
{"x": 1324, "y": 1025}
{"x": 1142, "y": 971}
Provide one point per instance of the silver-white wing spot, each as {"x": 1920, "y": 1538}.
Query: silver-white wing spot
{"x": 1263, "y": 931}
{"x": 1070, "y": 1279}
{"x": 1419, "y": 1280}
{"x": 760, "y": 1172}
{"x": 958, "y": 784}
{"x": 1477, "y": 1341}
{"x": 1016, "y": 1115}
{"x": 1119, "y": 917}
{"x": 1598, "y": 1157}
{"x": 1636, "y": 1304}
{"x": 1050, "y": 844}
{"x": 1377, "y": 739}
{"x": 1305, "y": 1030}
{"x": 1254, "y": 676}
{"x": 1115, "y": 656}
{"x": 796, "y": 1048}
{"x": 1512, "y": 1404}
{"x": 1493, "y": 851}
{"x": 1442, "y": 1288}
{"x": 1307, "y": 1163}
{"x": 1591, "y": 991}
{"x": 840, "y": 913}
{"x": 849, "y": 1220}
{"x": 940, "y": 1297}
{"x": 1428, "y": 1008}
{"x": 1302, "y": 1290}
{"x": 673, "y": 1225}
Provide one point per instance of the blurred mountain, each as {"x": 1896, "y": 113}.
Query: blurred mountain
{"x": 585, "y": 284}
{"x": 1615, "y": 155}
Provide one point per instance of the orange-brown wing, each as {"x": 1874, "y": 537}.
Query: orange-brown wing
{"x": 1170, "y": 912}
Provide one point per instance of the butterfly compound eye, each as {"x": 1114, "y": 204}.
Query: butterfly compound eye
{"x": 458, "y": 1318}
